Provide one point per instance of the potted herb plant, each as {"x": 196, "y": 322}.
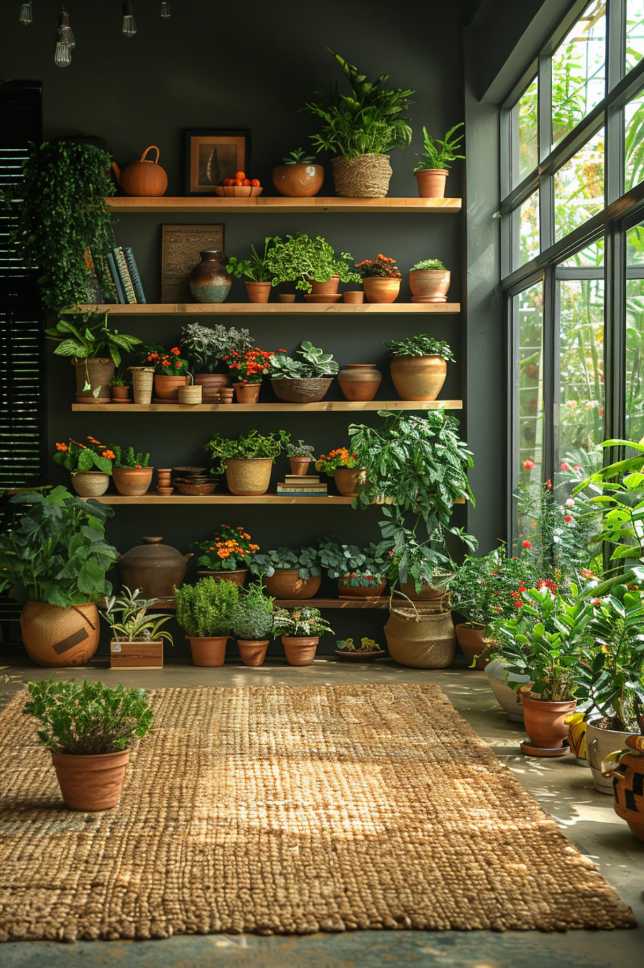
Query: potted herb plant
{"x": 360, "y": 129}
{"x": 137, "y": 634}
{"x": 309, "y": 264}
{"x": 228, "y": 554}
{"x": 360, "y": 571}
{"x": 289, "y": 572}
{"x": 89, "y": 729}
{"x": 429, "y": 281}
{"x": 344, "y": 468}
{"x": 419, "y": 366}
{"x": 131, "y": 470}
{"x": 206, "y": 348}
{"x": 205, "y": 613}
{"x": 300, "y": 456}
{"x": 380, "y": 278}
{"x": 300, "y": 630}
{"x": 253, "y": 620}
{"x": 170, "y": 373}
{"x": 304, "y": 377}
{"x": 89, "y": 465}
{"x": 54, "y": 559}
{"x": 255, "y": 273}
{"x": 247, "y": 461}
{"x": 248, "y": 369}
{"x": 433, "y": 168}
{"x": 95, "y": 350}
{"x": 299, "y": 176}
{"x": 120, "y": 389}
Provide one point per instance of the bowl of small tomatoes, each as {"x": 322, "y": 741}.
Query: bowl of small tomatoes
{"x": 240, "y": 186}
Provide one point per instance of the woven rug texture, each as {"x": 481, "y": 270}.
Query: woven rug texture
{"x": 289, "y": 811}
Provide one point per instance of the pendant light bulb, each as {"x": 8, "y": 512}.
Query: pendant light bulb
{"x": 26, "y": 15}
{"x": 62, "y": 53}
{"x": 65, "y": 32}
{"x": 129, "y": 23}
{"x": 166, "y": 10}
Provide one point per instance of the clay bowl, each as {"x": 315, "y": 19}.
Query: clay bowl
{"x": 165, "y": 491}
{"x": 343, "y": 656}
{"x": 238, "y": 191}
{"x": 195, "y": 490}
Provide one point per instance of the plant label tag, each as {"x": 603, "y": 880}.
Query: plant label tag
{"x": 115, "y": 648}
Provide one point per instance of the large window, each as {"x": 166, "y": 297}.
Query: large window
{"x": 572, "y": 252}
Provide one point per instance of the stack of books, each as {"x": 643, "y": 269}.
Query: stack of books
{"x": 299, "y": 485}
{"x": 125, "y": 275}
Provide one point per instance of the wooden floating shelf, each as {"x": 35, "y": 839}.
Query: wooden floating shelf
{"x": 213, "y": 204}
{"x": 331, "y": 500}
{"x": 324, "y": 406}
{"x": 271, "y": 309}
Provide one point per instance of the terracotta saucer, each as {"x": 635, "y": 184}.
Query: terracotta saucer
{"x": 529, "y": 750}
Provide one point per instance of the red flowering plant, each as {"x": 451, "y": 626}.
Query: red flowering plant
{"x": 338, "y": 457}
{"x": 249, "y": 366}
{"x": 231, "y": 548}
{"x": 383, "y": 265}
{"x": 78, "y": 458}
{"x": 167, "y": 362}
{"x": 485, "y": 587}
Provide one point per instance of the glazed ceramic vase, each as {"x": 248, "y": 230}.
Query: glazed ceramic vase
{"x": 209, "y": 282}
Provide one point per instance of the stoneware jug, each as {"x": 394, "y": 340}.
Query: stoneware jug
{"x": 142, "y": 177}
{"x": 154, "y": 567}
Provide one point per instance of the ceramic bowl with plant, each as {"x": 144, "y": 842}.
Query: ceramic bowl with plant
{"x": 344, "y": 467}
{"x": 366, "y": 650}
{"x": 305, "y": 377}
{"x": 300, "y": 456}
{"x": 247, "y": 461}
{"x": 206, "y": 348}
{"x": 299, "y": 175}
{"x": 137, "y": 634}
{"x": 255, "y": 273}
{"x": 253, "y": 623}
{"x": 248, "y": 369}
{"x": 380, "y": 278}
{"x": 289, "y": 572}
{"x": 429, "y": 281}
{"x": 360, "y": 571}
{"x": 89, "y": 464}
{"x": 300, "y": 630}
{"x": 309, "y": 264}
{"x": 170, "y": 373}
{"x": 433, "y": 166}
{"x": 228, "y": 554}
{"x": 131, "y": 470}
{"x": 205, "y": 613}
{"x": 419, "y": 366}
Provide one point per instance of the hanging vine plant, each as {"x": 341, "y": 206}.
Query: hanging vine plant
{"x": 62, "y": 217}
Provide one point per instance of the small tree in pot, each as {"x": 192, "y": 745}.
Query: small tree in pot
{"x": 253, "y": 619}
{"x": 205, "y": 613}
{"x": 300, "y": 630}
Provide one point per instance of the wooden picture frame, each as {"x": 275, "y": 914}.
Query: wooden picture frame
{"x": 212, "y": 154}
{"x": 180, "y": 249}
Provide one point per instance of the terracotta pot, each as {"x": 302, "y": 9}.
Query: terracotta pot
{"x": 421, "y": 639}
{"x": 143, "y": 177}
{"x": 628, "y": 786}
{"x": 328, "y": 288}
{"x": 349, "y": 480}
{"x": 431, "y": 182}
{"x": 132, "y": 482}
{"x": 90, "y": 483}
{"x": 471, "y": 640}
{"x": 208, "y": 650}
{"x": 225, "y": 394}
{"x": 211, "y": 384}
{"x": 286, "y": 583}
{"x": 302, "y": 391}
{"x": 429, "y": 285}
{"x": 364, "y": 176}
{"x": 298, "y": 181}
{"x": 602, "y": 742}
{"x": 249, "y": 476}
{"x": 286, "y": 297}
{"x": 142, "y": 383}
{"x": 209, "y": 282}
{"x": 252, "y": 652}
{"x": 353, "y": 296}
{"x": 418, "y": 377}
{"x": 166, "y": 388}
{"x": 237, "y": 577}
{"x": 258, "y": 292}
{"x": 427, "y": 593}
{"x": 375, "y": 589}
{"x": 153, "y": 567}
{"x": 508, "y": 698}
{"x": 380, "y": 289}
{"x": 120, "y": 394}
{"x": 544, "y": 721}
{"x": 359, "y": 381}
{"x": 300, "y": 649}
{"x": 247, "y": 392}
{"x": 300, "y": 465}
{"x": 54, "y": 636}
{"x": 91, "y": 783}
{"x": 98, "y": 371}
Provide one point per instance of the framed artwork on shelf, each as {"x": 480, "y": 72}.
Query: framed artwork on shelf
{"x": 181, "y": 246}
{"x": 212, "y": 154}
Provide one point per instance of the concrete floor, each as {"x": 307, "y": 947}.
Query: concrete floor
{"x": 562, "y": 788}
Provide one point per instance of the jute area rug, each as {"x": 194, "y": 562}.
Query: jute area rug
{"x": 286, "y": 810}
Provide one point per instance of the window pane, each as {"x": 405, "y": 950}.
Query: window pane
{"x": 634, "y": 355}
{"x": 579, "y": 186}
{"x": 525, "y": 231}
{"x": 634, "y": 143}
{"x": 523, "y": 123}
{"x": 578, "y": 70}
{"x": 634, "y": 32}
{"x": 589, "y": 258}
{"x": 527, "y": 308}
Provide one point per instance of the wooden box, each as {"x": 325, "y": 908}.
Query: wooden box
{"x": 136, "y": 655}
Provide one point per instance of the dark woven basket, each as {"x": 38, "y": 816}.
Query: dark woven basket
{"x": 302, "y": 391}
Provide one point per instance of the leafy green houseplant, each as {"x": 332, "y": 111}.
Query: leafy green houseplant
{"x": 254, "y": 267}
{"x": 83, "y": 458}
{"x": 419, "y": 366}
{"x": 247, "y": 461}
{"x": 417, "y": 568}
{"x": 308, "y": 362}
{"x": 355, "y": 568}
{"x": 306, "y": 561}
{"x": 206, "y": 347}
{"x": 253, "y": 619}
{"x": 302, "y": 260}
{"x": 205, "y": 613}
{"x": 420, "y": 345}
{"x": 427, "y": 264}
{"x": 130, "y": 457}
{"x": 300, "y": 630}
{"x": 433, "y": 166}
{"x": 298, "y": 156}
{"x": 95, "y": 350}
{"x": 299, "y": 448}
{"x": 337, "y": 458}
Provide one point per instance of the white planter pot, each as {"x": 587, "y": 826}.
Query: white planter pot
{"x": 508, "y": 699}
{"x": 601, "y": 742}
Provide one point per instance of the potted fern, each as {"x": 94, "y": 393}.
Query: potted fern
{"x": 252, "y": 622}
{"x": 205, "y": 613}
{"x": 433, "y": 168}
{"x": 137, "y": 635}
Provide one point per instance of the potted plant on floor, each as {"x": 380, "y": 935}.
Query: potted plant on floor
{"x": 89, "y": 465}
{"x": 253, "y": 620}
{"x": 205, "y": 613}
{"x": 429, "y": 281}
{"x": 300, "y": 456}
{"x": 419, "y": 366}
{"x": 433, "y": 168}
{"x": 137, "y": 634}
{"x": 300, "y": 630}
{"x": 380, "y": 278}
{"x": 131, "y": 470}
{"x": 360, "y": 571}
{"x": 170, "y": 373}
{"x": 248, "y": 369}
{"x": 309, "y": 264}
{"x": 344, "y": 468}
{"x": 247, "y": 461}
{"x": 228, "y": 554}
{"x": 89, "y": 729}
{"x": 54, "y": 560}
{"x": 206, "y": 348}
{"x": 626, "y": 771}
{"x": 255, "y": 273}
{"x": 299, "y": 176}
{"x": 305, "y": 377}
{"x": 367, "y": 650}
{"x": 360, "y": 129}
{"x": 289, "y": 572}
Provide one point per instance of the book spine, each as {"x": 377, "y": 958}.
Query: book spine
{"x": 302, "y": 493}
{"x": 134, "y": 274}
{"x": 121, "y": 264}
{"x": 116, "y": 279}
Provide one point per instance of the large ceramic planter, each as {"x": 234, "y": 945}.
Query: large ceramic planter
{"x": 252, "y": 652}
{"x": 298, "y": 181}
{"x": 156, "y": 568}
{"x": 208, "y": 650}
{"x": 132, "y": 482}
{"x": 365, "y": 176}
{"x": 90, "y": 483}
{"x": 508, "y": 698}
{"x": 166, "y": 388}
{"x": 429, "y": 285}
{"x": 300, "y": 649}
{"x": 249, "y": 476}
{"x": 359, "y": 381}
{"x": 247, "y": 392}
{"x": 418, "y": 377}
{"x": 91, "y": 783}
{"x": 211, "y": 384}
{"x": 237, "y": 577}
{"x": 374, "y": 589}
{"x": 431, "y": 182}
{"x": 628, "y": 785}
{"x": 600, "y": 743}
{"x": 471, "y": 639}
{"x": 422, "y": 638}
{"x": 299, "y": 465}
{"x": 286, "y": 583}
{"x": 349, "y": 480}
{"x": 381, "y": 289}
{"x": 545, "y": 724}
{"x": 209, "y": 282}
{"x": 98, "y": 372}
{"x": 258, "y": 292}
{"x": 54, "y": 636}
{"x": 302, "y": 391}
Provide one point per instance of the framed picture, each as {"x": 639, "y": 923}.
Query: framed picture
{"x": 180, "y": 248}
{"x": 210, "y": 155}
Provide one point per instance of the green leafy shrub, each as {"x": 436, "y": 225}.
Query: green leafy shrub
{"x": 208, "y": 346}
{"x": 128, "y": 616}
{"x": 250, "y": 445}
{"x": 423, "y": 344}
{"x": 487, "y": 588}
{"x": 207, "y": 608}
{"x": 440, "y": 152}
{"x": 253, "y": 615}
{"x": 427, "y": 264}
{"x": 303, "y": 259}
{"x": 298, "y": 448}
{"x": 255, "y": 267}
{"x": 358, "y": 567}
{"x": 300, "y": 621}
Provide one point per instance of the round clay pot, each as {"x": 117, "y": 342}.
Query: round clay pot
{"x": 237, "y": 577}
{"x": 628, "y": 784}
{"x": 249, "y": 476}
{"x": 90, "y": 483}
{"x": 427, "y": 593}
{"x": 54, "y": 636}
{"x": 211, "y": 384}
{"x": 286, "y": 583}
{"x": 600, "y": 743}
{"x": 309, "y": 390}
{"x": 508, "y": 698}
{"x": 471, "y": 639}
{"x": 247, "y": 392}
{"x": 431, "y": 182}
{"x": 120, "y": 394}
{"x": 132, "y": 482}
{"x": 208, "y": 650}
{"x": 98, "y": 371}
{"x": 209, "y": 282}
{"x": 142, "y": 383}
{"x": 374, "y": 589}
{"x": 286, "y": 297}
{"x": 421, "y": 639}
{"x": 328, "y": 288}
{"x": 299, "y": 180}
{"x": 363, "y": 176}
{"x": 300, "y": 649}
{"x": 418, "y": 377}
{"x": 429, "y": 285}
{"x": 154, "y": 567}
{"x": 91, "y": 783}
{"x": 381, "y": 289}
{"x": 258, "y": 292}
{"x": 359, "y": 381}
{"x": 545, "y": 721}
{"x": 349, "y": 480}
{"x": 300, "y": 465}
{"x": 353, "y": 296}
{"x": 252, "y": 652}
{"x": 225, "y": 394}
{"x": 166, "y": 388}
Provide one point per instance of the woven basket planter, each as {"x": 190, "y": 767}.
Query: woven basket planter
{"x": 366, "y": 176}
{"x": 302, "y": 391}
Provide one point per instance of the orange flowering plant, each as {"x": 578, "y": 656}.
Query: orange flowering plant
{"x": 249, "y": 366}
{"x": 231, "y": 548}
{"x": 382, "y": 265}
{"x": 338, "y": 457}
{"x": 167, "y": 362}
{"x": 77, "y": 457}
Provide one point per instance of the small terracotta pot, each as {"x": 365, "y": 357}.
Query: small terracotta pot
{"x": 429, "y": 285}
{"x": 54, "y": 636}
{"x": 167, "y": 387}
{"x": 353, "y": 296}
{"x": 286, "y": 297}
{"x": 349, "y": 480}
{"x": 237, "y": 577}
{"x": 380, "y": 289}
{"x": 249, "y": 476}
{"x": 258, "y": 292}
{"x": 418, "y": 377}
{"x": 359, "y": 381}
{"x": 91, "y": 783}
{"x": 225, "y": 395}
{"x": 253, "y": 651}
{"x": 545, "y": 721}
{"x": 286, "y": 583}
{"x": 211, "y": 383}
{"x": 132, "y": 482}
{"x": 120, "y": 394}
{"x": 247, "y": 392}
{"x": 300, "y": 649}
{"x": 374, "y": 590}
{"x": 98, "y": 371}
{"x": 90, "y": 483}
{"x": 298, "y": 181}
{"x": 300, "y": 465}
{"x": 165, "y": 490}
{"x": 431, "y": 182}
{"x": 208, "y": 650}
{"x": 471, "y": 639}
{"x": 328, "y": 288}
